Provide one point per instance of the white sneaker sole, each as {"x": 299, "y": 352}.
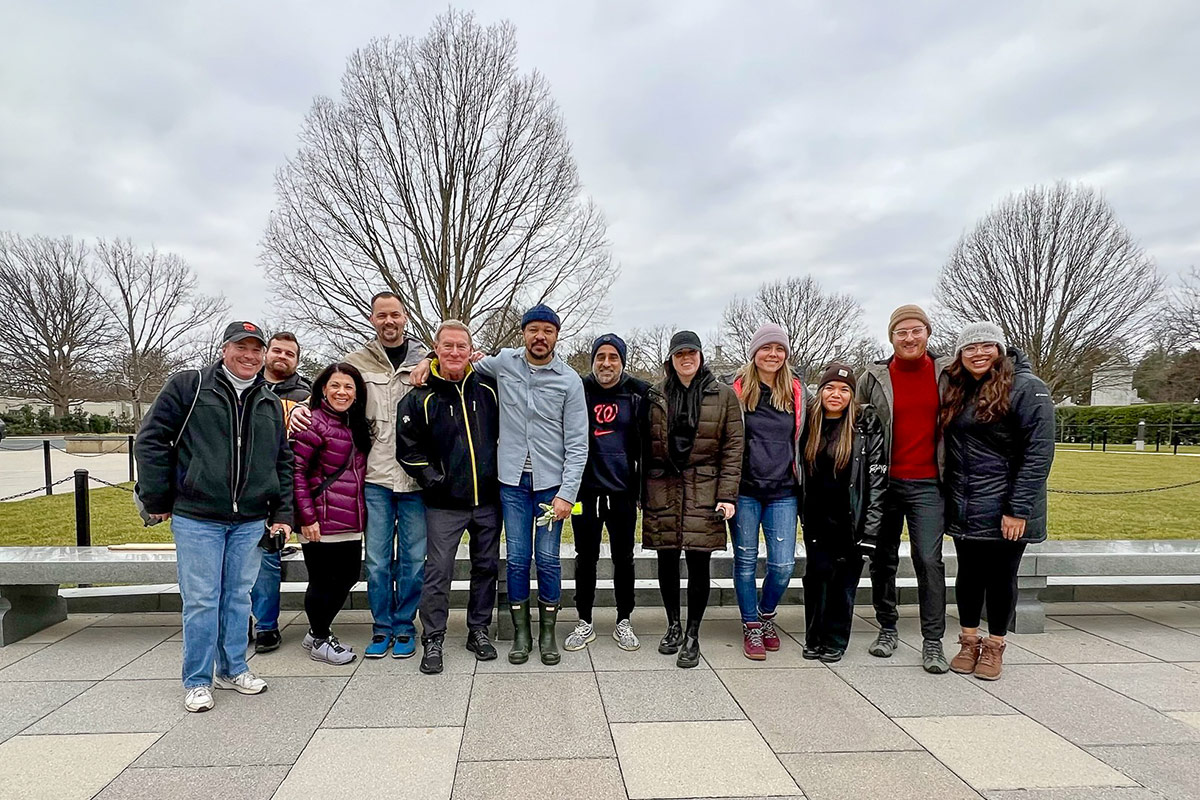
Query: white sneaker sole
{"x": 637, "y": 645}
{"x": 574, "y": 648}
{"x": 312, "y": 656}
{"x": 200, "y": 709}
{"x": 221, "y": 683}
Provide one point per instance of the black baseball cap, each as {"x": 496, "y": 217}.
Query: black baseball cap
{"x": 237, "y": 331}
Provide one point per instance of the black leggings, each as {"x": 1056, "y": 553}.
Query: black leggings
{"x": 668, "y": 583}
{"x": 987, "y": 571}
{"x": 333, "y": 569}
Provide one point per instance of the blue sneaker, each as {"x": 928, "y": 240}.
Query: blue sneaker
{"x": 404, "y": 646}
{"x": 378, "y": 647}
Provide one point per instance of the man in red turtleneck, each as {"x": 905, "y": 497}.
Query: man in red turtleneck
{"x": 904, "y": 391}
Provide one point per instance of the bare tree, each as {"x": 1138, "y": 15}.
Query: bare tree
{"x": 646, "y": 350}
{"x": 445, "y": 175}
{"x": 1182, "y": 321}
{"x": 54, "y": 332}
{"x": 1054, "y": 267}
{"x": 160, "y": 316}
{"x": 820, "y": 325}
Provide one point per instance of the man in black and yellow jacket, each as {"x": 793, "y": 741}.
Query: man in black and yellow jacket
{"x": 446, "y": 439}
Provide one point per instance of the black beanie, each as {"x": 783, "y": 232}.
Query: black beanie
{"x": 836, "y": 371}
{"x": 611, "y": 339}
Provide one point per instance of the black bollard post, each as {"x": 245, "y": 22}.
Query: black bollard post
{"x": 1104, "y": 441}
{"x": 83, "y": 517}
{"x": 131, "y": 476}
{"x": 46, "y": 461}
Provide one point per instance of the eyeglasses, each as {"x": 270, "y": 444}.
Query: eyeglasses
{"x": 908, "y": 333}
{"x": 979, "y": 349}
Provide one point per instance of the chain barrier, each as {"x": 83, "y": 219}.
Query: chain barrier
{"x": 38, "y": 490}
{"x": 84, "y": 455}
{"x": 113, "y": 485}
{"x": 1125, "y": 491}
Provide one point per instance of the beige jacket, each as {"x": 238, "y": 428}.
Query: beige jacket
{"x": 385, "y": 388}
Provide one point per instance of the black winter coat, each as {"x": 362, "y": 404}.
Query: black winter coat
{"x": 868, "y": 477}
{"x": 232, "y": 462}
{"x": 1000, "y": 468}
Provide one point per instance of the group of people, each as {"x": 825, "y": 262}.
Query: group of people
{"x": 396, "y": 451}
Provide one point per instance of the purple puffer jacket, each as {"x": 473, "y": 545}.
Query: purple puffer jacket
{"x": 319, "y": 452}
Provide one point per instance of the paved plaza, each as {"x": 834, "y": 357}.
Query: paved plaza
{"x": 1104, "y": 705}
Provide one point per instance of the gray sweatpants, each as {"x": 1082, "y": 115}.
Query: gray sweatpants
{"x": 444, "y": 530}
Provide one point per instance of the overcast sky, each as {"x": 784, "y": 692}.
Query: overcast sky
{"x": 727, "y": 143}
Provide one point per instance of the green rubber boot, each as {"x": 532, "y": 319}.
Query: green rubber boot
{"x": 547, "y": 617}
{"x": 522, "y": 636}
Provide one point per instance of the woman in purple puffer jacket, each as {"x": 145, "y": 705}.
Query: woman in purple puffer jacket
{"x": 330, "y": 470}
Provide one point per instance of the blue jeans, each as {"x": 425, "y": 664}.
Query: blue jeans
{"x": 778, "y": 520}
{"x": 217, "y": 563}
{"x": 395, "y": 558}
{"x": 520, "y": 506}
{"x": 264, "y": 597}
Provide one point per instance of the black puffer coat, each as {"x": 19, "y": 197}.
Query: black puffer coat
{"x": 868, "y": 479}
{"x": 1000, "y": 468}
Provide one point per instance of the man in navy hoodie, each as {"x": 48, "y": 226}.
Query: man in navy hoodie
{"x": 610, "y": 488}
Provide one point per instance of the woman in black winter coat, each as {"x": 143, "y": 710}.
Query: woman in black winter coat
{"x": 845, "y": 475}
{"x": 998, "y": 424}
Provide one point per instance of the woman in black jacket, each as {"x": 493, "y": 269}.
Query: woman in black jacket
{"x": 845, "y": 475}
{"x": 998, "y": 423}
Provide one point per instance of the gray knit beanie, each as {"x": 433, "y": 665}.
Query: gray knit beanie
{"x": 770, "y": 333}
{"x": 978, "y": 332}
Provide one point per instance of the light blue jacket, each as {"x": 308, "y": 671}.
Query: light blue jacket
{"x": 543, "y": 413}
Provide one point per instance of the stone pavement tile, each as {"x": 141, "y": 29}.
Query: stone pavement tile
{"x": 607, "y": 657}
{"x": 195, "y": 783}
{"x": 457, "y": 660}
{"x": 1193, "y": 666}
{"x": 574, "y": 779}
{"x": 1187, "y": 717}
{"x": 791, "y": 620}
{"x": 402, "y": 701}
{"x": 261, "y": 730}
{"x": 812, "y": 711}
{"x": 15, "y": 652}
{"x": 1077, "y": 609}
{"x": 528, "y": 716}
{"x": 291, "y": 660}
{"x": 153, "y": 619}
{"x": 721, "y": 647}
{"x": 910, "y": 633}
{"x": 578, "y": 661}
{"x": 24, "y": 703}
{"x": 1082, "y": 711}
{"x": 698, "y": 759}
{"x": 416, "y": 762}
{"x": 1160, "y": 641}
{"x": 655, "y": 696}
{"x": 1166, "y": 687}
{"x": 915, "y": 693}
{"x": 66, "y": 767}
{"x": 347, "y": 616}
{"x": 118, "y": 707}
{"x": 72, "y": 624}
{"x": 91, "y": 654}
{"x": 1072, "y": 646}
{"x": 1076, "y": 793}
{"x": 856, "y": 654}
{"x": 1011, "y": 752}
{"x": 888, "y": 776}
{"x": 1174, "y": 614}
{"x": 1173, "y": 770}
{"x": 163, "y": 662}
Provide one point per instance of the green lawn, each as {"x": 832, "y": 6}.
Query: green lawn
{"x": 1172, "y": 514}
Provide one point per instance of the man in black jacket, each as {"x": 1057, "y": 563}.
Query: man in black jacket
{"x": 610, "y": 489}
{"x": 446, "y": 439}
{"x": 213, "y": 458}
{"x": 292, "y": 388}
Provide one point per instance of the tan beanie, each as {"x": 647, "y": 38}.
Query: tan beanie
{"x": 909, "y": 311}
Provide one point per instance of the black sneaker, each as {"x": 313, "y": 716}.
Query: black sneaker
{"x": 479, "y": 644}
{"x": 431, "y": 661}
{"x": 830, "y": 656}
{"x": 811, "y": 653}
{"x": 266, "y": 641}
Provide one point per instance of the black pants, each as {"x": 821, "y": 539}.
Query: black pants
{"x": 698, "y": 580}
{"x": 333, "y": 569}
{"x": 830, "y": 581}
{"x": 444, "y": 529}
{"x": 987, "y": 572}
{"x": 619, "y": 513}
{"x": 919, "y": 502}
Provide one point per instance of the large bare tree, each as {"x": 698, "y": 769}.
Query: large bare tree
{"x": 160, "y": 317}
{"x": 821, "y": 325}
{"x": 1182, "y": 320}
{"x": 1056, "y": 269}
{"x": 443, "y": 174}
{"x": 54, "y": 330}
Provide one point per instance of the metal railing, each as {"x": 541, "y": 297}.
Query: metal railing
{"x": 1156, "y": 436}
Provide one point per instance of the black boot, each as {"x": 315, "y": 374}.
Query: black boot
{"x": 671, "y": 640}
{"x": 431, "y": 660}
{"x": 689, "y": 653}
{"x": 547, "y": 644}
{"x": 522, "y": 637}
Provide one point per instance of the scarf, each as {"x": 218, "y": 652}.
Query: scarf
{"x": 683, "y": 413}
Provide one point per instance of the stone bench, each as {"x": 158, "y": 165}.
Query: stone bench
{"x": 30, "y": 577}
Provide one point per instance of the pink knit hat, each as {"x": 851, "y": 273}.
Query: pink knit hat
{"x": 770, "y": 333}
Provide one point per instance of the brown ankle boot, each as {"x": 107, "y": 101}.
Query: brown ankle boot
{"x": 968, "y": 655}
{"x": 991, "y": 660}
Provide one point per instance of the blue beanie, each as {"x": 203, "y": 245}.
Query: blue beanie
{"x": 540, "y": 313}
{"x": 610, "y": 339}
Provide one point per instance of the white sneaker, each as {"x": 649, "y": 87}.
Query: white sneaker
{"x": 624, "y": 636}
{"x": 331, "y": 651}
{"x": 309, "y": 641}
{"x": 578, "y": 639}
{"x": 246, "y": 683}
{"x": 198, "y": 698}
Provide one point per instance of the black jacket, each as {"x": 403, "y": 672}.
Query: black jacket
{"x": 622, "y": 402}
{"x": 1000, "y": 468}
{"x": 232, "y": 462}
{"x": 295, "y": 387}
{"x": 446, "y": 439}
{"x": 868, "y": 477}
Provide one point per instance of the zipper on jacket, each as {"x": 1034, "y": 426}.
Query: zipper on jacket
{"x": 470, "y": 442}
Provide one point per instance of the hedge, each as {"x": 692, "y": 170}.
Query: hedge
{"x": 1166, "y": 419}
{"x": 25, "y": 420}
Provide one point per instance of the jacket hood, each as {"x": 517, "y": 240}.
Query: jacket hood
{"x": 1021, "y": 362}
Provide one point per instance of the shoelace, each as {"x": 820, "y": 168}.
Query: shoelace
{"x": 989, "y": 656}
{"x": 931, "y": 649}
{"x": 624, "y": 629}
{"x": 755, "y": 635}
{"x": 435, "y": 647}
{"x": 889, "y": 637}
{"x": 768, "y": 629}
{"x": 479, "y": 638}
{"x": 582, "y": 629}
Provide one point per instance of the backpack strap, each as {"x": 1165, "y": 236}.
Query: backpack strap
{"x": 191, "y": 408}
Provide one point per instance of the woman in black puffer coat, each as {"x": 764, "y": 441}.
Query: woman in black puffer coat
{"x": 998, "y": 424}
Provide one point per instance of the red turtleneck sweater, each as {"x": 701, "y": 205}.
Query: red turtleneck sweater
{"x": 914, "y": 419}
